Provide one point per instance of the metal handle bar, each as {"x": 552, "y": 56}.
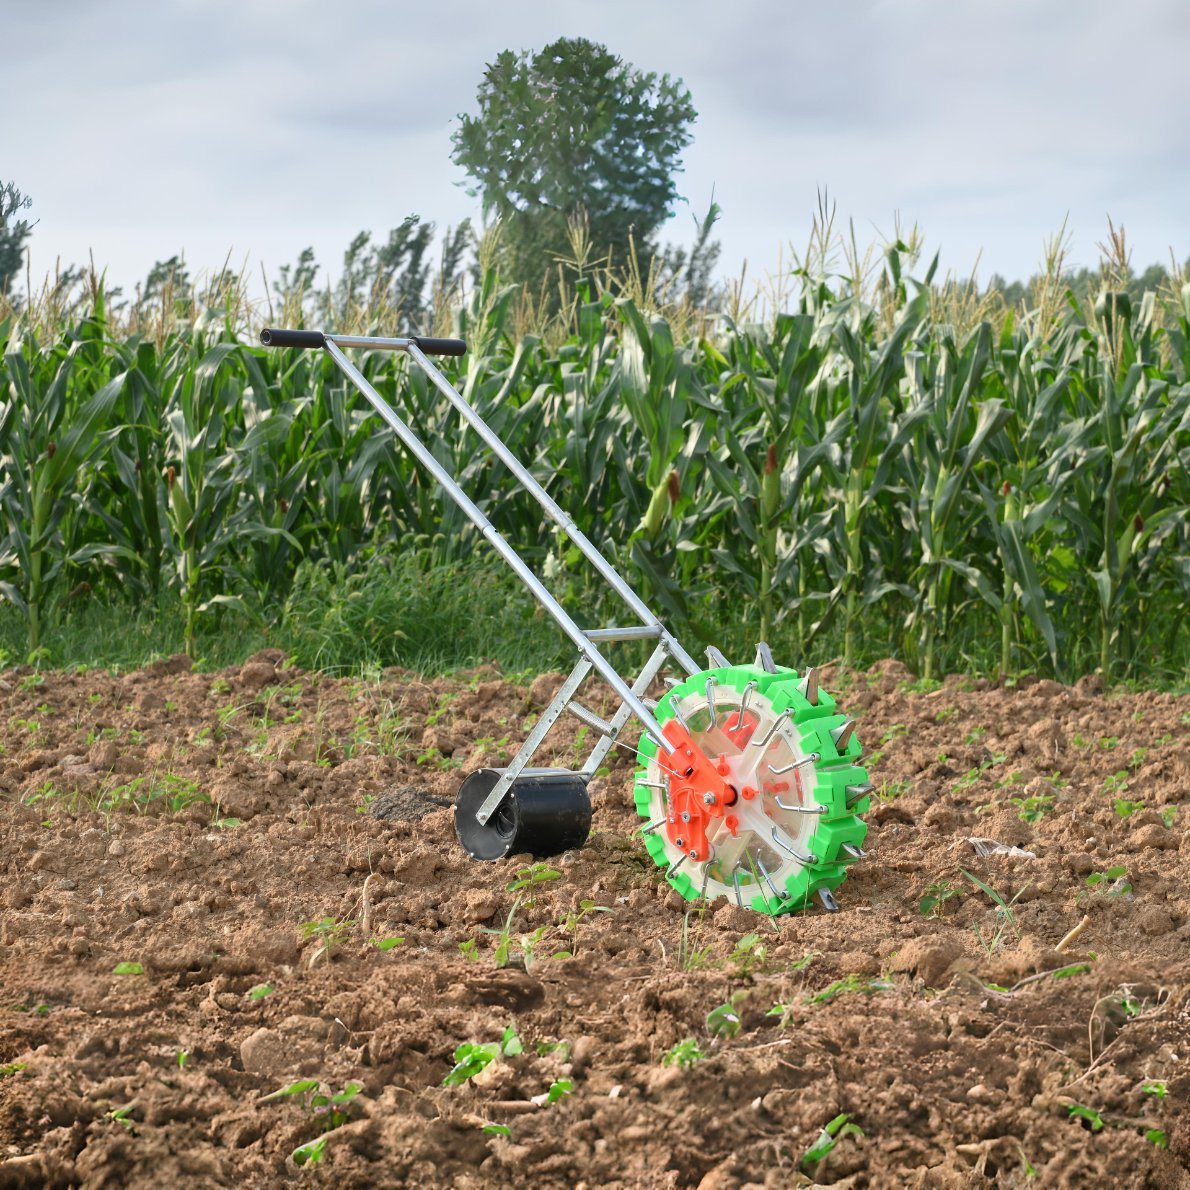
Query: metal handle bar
{"x": 271, "y": 337}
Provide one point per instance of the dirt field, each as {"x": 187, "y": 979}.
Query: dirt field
{"x": 227, "y": 840}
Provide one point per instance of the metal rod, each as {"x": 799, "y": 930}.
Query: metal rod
{"x": 793, "y": 764}
{"x": 646, "y": 675}
{"x": 799, "y": 809}
{"x": 739, "y": 715}
{"x": 634, "y": 632}
{"x": 424, "y": 456}
{"x": 367, "y": 341}
{"x": 804, "y": 860}
{"x": 710, "y": 693}
{"x": 767, "y": 878}
{"x": 592, "y": 720}
{"x": 552, "y": 509}
{"x": 772, "y": 731}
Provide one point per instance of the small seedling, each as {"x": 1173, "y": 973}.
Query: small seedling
{"x": 683, "y": 1055}
{"x": 504, "y": 934}
{"x": 691, "y": 957}
{"x": 850, "y": 983}
{"x": 571, "y": 922}
{"x": 1112, "y": 883}
{"x": 128, "y": 969}
{"x": 749, "y": 954}
{"x": 8, "y": 1069}
{"x": 1155, "y": 1087}
{"x": 383, "y": 944}
{"x": 260, "y": 991}
{"x": 1125, "y": 808}
{"x": 311, "y": 1153}
{"x": 1156, "y": 1136}
{"x": 1071, "y": 971}
{"x": 936, "y": 895}
{"x": 1004, "y": 915}
{"x": 724, "y": 1022}
{"x": 329, "y": 1109}
{"x": 1032, "y": 809}
{"x": 470, "y": 1059}
{"x": 121, "y": 1116}
{"x": 891, "y": 790}
{"x": 786, "y": 1012}
{"x": 181, "y": 1058}
{"x": 1089, "y": 1115}
{"x": 532, "y": 876}
{"x": 468, "y": 951}
{"x": 510, "y": 1043}
{"x": 559, "y": 1089}
{"x": 330, "y": 933}
{"x": 498, "y": 1130}
{"x": 828, "y": 1138}
{"x": 1116, "y": 783}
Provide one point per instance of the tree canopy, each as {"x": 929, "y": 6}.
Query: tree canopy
{"x": 14, "y": 232}
{"x": 571, "y": 132}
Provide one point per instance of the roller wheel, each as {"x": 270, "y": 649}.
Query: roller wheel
{"x": 765, "y": 809}
{"x": 544, "y": 813}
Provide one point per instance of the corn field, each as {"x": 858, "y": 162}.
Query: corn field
{"x": 872, "y": 468}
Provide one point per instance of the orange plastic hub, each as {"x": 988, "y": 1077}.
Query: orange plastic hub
{"x": 697, "y": 793}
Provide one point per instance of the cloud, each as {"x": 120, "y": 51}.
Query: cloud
{"x": 145, "y": 125}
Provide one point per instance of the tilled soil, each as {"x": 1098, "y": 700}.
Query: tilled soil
{"x": 240, "y": 842}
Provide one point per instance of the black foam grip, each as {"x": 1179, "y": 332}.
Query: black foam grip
{"x": 441, "y": 346}
{"x": 274, "y": 338}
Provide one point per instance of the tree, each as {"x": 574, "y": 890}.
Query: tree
{"x": 574, "y": 132}
{"x": 13, "y": 234}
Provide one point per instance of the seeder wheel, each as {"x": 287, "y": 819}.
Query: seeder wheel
{"x": 545, "y": 813}
{"x": 770, "y": 817}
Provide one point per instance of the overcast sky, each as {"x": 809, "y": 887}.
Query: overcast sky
{"x": 144, "y": 128}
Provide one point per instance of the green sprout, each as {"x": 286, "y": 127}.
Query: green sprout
{"x": 683, "y": 1055}
{"x": 532, "y": 876}
{"x": 311, "y": 1153}
{"x": 1087, "y": 1114}
{"x": 828, "y": 1139}
{"x": 329, "y": 932}
{"x": 1005, "y": 917}
{"x": 724, "y": 1022}
{"x": 936, "y": 895}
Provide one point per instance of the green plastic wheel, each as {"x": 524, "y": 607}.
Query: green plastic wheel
{"x": 777, "y": 820}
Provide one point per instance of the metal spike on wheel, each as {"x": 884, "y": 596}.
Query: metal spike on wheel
{"x": 758, "y": 800}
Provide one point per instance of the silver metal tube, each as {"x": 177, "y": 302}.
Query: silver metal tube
{"x": 552, "y": 508}
{"x": 424, "y": 456}
{"x": 592, "y": 720}
{"x": 367, "y": 341}
{"x": 635, "y": 632}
